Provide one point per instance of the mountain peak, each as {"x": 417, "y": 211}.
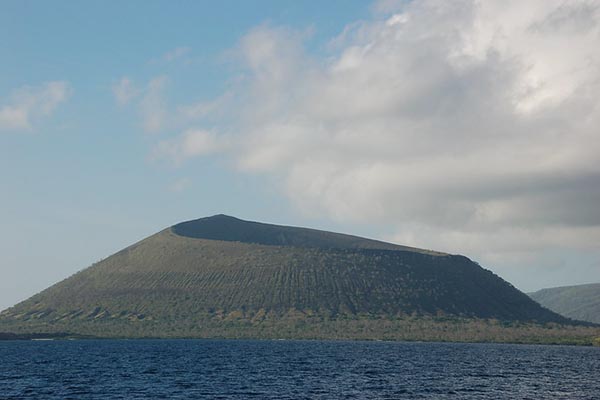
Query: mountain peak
{"x": 231, "y": 229}
{"x": 223, "y": 217}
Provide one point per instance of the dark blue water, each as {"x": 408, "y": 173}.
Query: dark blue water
{"x": 177, "y": 369}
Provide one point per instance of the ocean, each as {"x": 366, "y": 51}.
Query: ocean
{"x": 243, "y": 369}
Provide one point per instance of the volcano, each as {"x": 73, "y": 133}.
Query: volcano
{"x": 221, "y": 276}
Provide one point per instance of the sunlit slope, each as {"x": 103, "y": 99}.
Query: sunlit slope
{"x": 580, "y": 302}
{"x": 171, "y": 282}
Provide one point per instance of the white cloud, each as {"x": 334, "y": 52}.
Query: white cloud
{"x": 204, "y": 109}
{"x": 124, "y": 91}
{"x": 149, "y": 101}
{"x": 180, "y": 185}
{"x": 30, "y": 103}
{"x": 14, "y": 118}
{"x": 155, "y": 112}
{"x": 471, "y": 126}
{"x": 191, "y": 143}
{"x": 152, "y": 106}
{"x": 176, "y": 53}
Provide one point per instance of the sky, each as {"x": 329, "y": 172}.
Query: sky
{"x": 470, "y": 127}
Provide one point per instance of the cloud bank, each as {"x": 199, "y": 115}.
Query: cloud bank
{"x": 468, "y": 126}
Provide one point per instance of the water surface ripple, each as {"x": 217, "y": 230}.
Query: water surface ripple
{"x": 232, "y": 369}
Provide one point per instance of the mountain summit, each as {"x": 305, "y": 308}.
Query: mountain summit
{"x": 231, "y": 229}
{"x": 225, "y": 277}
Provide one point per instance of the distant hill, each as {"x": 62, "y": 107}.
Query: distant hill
{"x": 580, "y": 302}
{"x": 224, "y": 277}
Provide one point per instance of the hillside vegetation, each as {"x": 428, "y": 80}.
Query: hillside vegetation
{"x": 223, "y": 277}
{"x": 580, "y": 302}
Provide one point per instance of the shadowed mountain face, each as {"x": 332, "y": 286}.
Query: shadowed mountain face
{"x": 183, "y": 279}
{"x": 580, "y": 302}
{"x": 230, "y": 229}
